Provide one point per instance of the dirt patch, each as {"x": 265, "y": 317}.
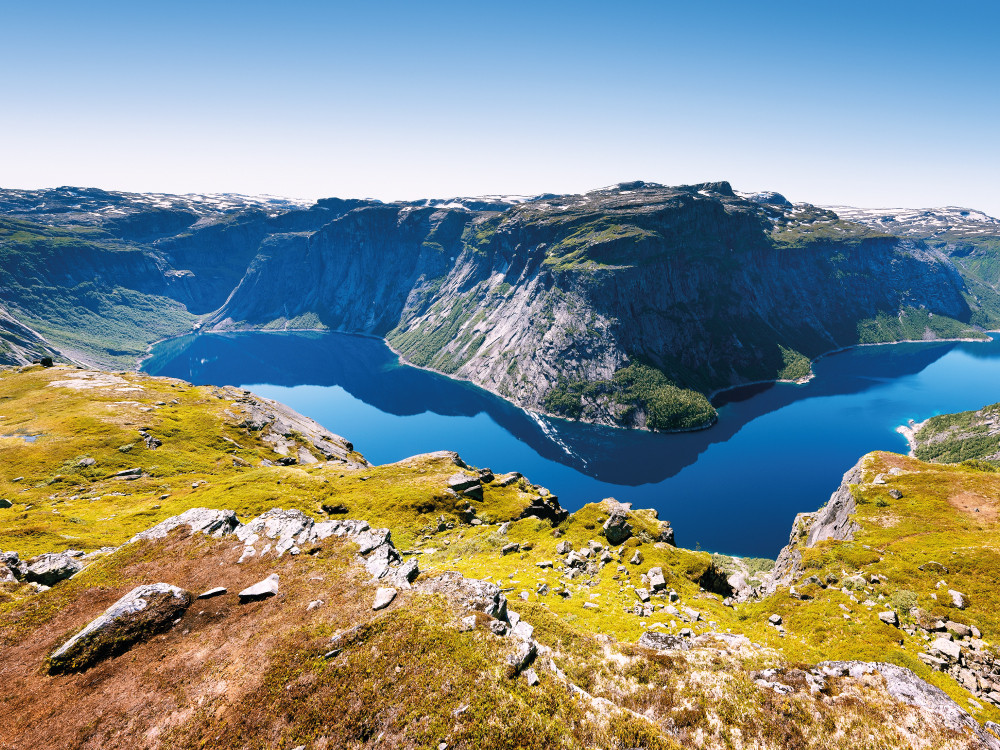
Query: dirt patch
{"x": 981, "y": 508}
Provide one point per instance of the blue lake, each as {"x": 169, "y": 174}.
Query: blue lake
{"x": 777, "y": 449}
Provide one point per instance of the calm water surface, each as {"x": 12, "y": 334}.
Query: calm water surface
{"x": 777, "y": 449}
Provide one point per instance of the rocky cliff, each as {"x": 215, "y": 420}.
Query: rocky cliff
{"x": 623, "y": 306}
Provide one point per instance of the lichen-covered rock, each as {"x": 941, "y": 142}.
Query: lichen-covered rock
{"x": 52, "y": 567}
{"x": 216, "y": 523}
{"x": 469, "y": 593}
{"x": 663, "y": 641}
{"x": 617, "y": 529}
{"x": 262, "y": 590}
{"x": 139, "y": 614}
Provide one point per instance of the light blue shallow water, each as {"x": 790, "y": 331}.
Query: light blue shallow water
{"x": 777, "y": 450}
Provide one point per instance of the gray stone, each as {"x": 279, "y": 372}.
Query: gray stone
{"x": 522, "y": 630}
{"x": 617, "y": 528}
{"x": 6, "y": 503}
{"x": 948, "y": 649}
{"x": 692, "y": 614}
{"x": 643, "y": 594}
{"x": 216, "y": 523}
{"x": 266, "y": 588}
{"x": 636, "y": 558}
{"x": 211, "y": 593}
{"x": 895, "y": 494}
{"x": 85, "y": 462}
{"x": 383, "y": 597}
{"x": 957, "y": 628}
{"x": 498, "y": 627}
{"x": 889, "y": 618}
{"x": 522, "y": 655}
{"x": 957, "y": 598}
{"x": 663, "y": 641}
{"x": 140, "y": 613}
{"x": 511, "y": 548}
{"x": 656, "y": 580}
{"x": 564, "y": 548}
{"x": 775, "y": 619}
{"x": 468, "y": 623}
{"x": 469, "y": 594}
{"x": 531, "y": 676}
{"x": 52, "y": 567}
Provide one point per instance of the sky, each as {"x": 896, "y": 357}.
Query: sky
{"x": 878, "y": 104}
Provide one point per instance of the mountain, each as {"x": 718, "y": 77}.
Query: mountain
{"x": 627, "y": 306}
{"x": 188, "y": 567}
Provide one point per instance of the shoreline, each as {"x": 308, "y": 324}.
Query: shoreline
{"x": 534, "y": 415}
{"x": 909, "y": 431}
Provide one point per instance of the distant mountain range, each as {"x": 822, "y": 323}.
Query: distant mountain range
{"x": 628, "y": 305}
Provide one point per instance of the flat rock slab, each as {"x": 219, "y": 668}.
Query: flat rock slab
{"x": 266, "y": 588}
{"x": 141, "y": 613}
{"x": 663, "y": 641}
{"x": 383, "y": 598}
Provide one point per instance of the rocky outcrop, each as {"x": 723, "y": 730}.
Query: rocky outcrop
{"x": 139, "y": 614}
{"x": 50, "y": 568}
{"x": 198, "y": 520}
{"x": 832, "y": 521}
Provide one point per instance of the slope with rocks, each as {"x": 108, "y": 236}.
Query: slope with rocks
{"x": 445, "y": 603}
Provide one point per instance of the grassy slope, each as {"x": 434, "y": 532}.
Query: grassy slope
{"x": 59, "y": 505}
{"x": 111, "y": 325}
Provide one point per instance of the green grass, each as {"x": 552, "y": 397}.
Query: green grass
{"x": 913, "y": 324}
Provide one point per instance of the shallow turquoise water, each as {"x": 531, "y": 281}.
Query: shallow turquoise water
{"x": 777, "y": 450}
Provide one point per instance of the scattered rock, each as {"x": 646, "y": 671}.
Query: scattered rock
{"x": 263, "y": 590}
{"x": 314, "y": 605}
{"x": 86, "y": 462}
{"x": 958, "y": 629}
{"x": 656, "y": 580}
{"x": 895, "y": 494}
{"x": 636, "y": 558}
{"x": 663, "y": 641}
{"x": 139, "y": 614}
{"x": 947, "y": 649}
{"x": 957, "y": 599}
{"x": 616, "y": 529}
{"x": 932, "y": 565}
{"x": 216, "y": 523}
{"x": 775, "y": 619}
{"x": 467, "y": 624}
{"x": 643, "y": 594}
{"x": 383, "y": 597}
{"x": 531, "y": 676}
{"x": 508, "y": 549}
{"x": 50, "y": 568}
{"x": 564, "y": 548}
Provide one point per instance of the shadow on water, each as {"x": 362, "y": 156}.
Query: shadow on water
{"x": 368, "y": 370}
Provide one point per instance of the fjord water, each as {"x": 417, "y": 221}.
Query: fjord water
{"x": 777, "y": 449}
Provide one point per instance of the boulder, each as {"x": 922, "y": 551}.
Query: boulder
{"x": 957, "y": 599}
{"x": 666, "y": 534}
{"x": 947, "y": 649}
{"x": 656, "y": 580}
{"x": 384, "y": 597}
{"x": 774, "y": 620}
{"x": 564, "y": 547}
{"x": 6, "y": 503}
{"x": 141, "y": 613}
{"x": 521, "y": 657}
{"x": 617, "y": 529}
{"x": 531, "y": 676}
{"x": 52, "y": 567}
{"x": 212, "y": 593}
{"x": 642, "y": 594}
{"x": 889, "y": 618}
{"x": 216, "y": 523}
{"x": 263, "y": 590}
{"x": 511, "y": 548}
{"x": 547, "y": 509}
{"x": 958, "y": 629}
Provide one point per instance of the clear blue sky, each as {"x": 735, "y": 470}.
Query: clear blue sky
{"x": 873, "y": 104}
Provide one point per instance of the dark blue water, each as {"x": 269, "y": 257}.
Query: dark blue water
{"x": 777, "y": 449}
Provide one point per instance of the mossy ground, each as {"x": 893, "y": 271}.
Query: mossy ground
{"x": 412, "y": 679}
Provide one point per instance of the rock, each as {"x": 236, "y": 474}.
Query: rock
{"x": 692, "y": 614}
{"x": 263, "y": 590}
{"x": 960, "y": 630}
{"x": 663, "y": 641}
{"x": 211, "y": 593}
{"x": 511, "y": 548}
{"x": 216, "y": 523}
{"x": 139, "y": 614}
{"x": 643, "y": 594}
{"x": 617, "y": 529}
{"x": 522, "y": 655}
{"x": 50, "y": 568}
{"x": 636, "y": 558}
{"x": 564, "y": 548}
{"x": 590, "y": 605}
{"x": 383, "y": 597}
{"x": 933, "y": 566}
{"x": 6, "y": 503}
{"x": 314, "y": 605}
{"x": 656, "y": 580}
{"x": 547, "y": 509}
{"x": 531, "y": 676}
{"x": 335, "y": 509}
{"x": 889, "y": 618}
{"x": 957, "y": 599}
{"x": 775, "y": 619}
{"x": 522, "y": 630}
{"x": 947, "y": 649}
{"x": 666, "y": 534}
{"x": 466, "y": 484}
{"x": 469, "y": 593}
{"x": 467, "y": 624}
{"x": 498, "y": 627}
{"x": 504, "y": 528}
{"x": 506, "y": 480}
{"x": 127, "y": 474}
{"x": 895, "y": 494}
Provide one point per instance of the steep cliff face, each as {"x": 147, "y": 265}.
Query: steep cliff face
{"x": 623, "y": 306}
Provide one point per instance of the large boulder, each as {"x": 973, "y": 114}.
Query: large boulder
{"x": 141, "y": 613}
{"x": 617, "y": 529}
{"x": 52, "y": 567}
{"x": 216, "y": 523}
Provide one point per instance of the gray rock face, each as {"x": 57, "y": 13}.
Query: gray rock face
{"x": 663, "y": 641}
{"x": 832, "y": 521}
{"x": 262, "y": 590}
{"x": 216, "y": 523}
{"x": 656, "y": 580}
{"x": 52, "y": 567}
{"x": 889, "y": 618}
{"x": 469, "y": 593}
{"x": 906, "y": 687}
{"x": 139, "y": 614}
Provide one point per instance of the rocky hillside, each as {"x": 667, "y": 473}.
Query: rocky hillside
{"x": 193, "y": 566}
{"x": 972, "y": 436}
{"x": 624, "y": 306}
